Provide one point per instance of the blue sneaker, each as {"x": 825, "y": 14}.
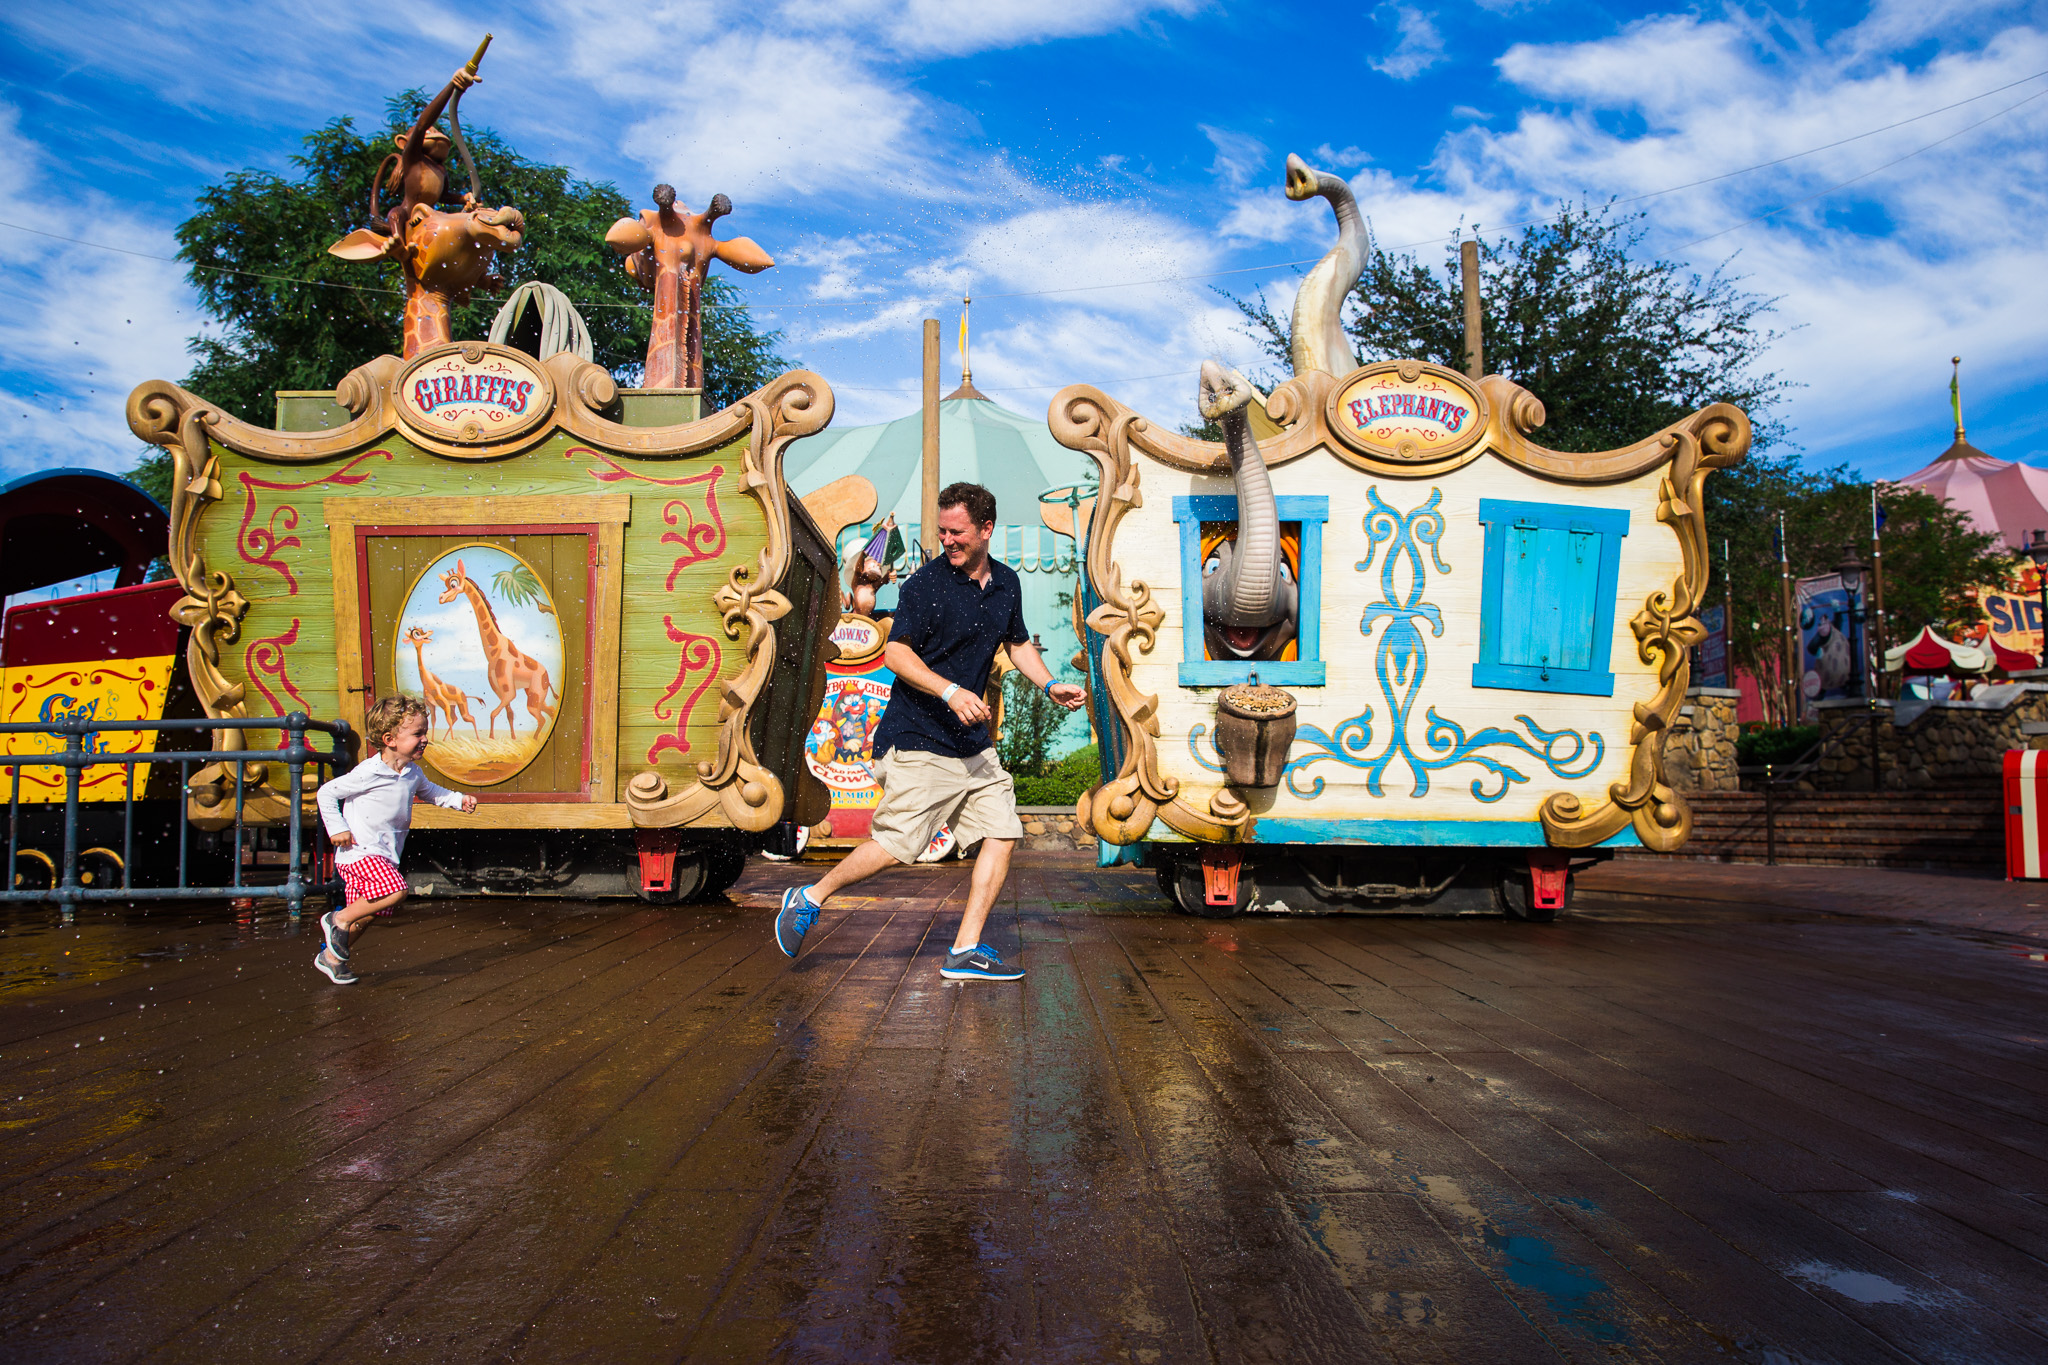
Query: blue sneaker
{"x": 336, "y": 936}
{"x": 794, "y": 920}
{"x": 979, "y": 963}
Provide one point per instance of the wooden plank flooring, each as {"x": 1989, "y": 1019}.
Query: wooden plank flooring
{"x": 1756, "y": 1127}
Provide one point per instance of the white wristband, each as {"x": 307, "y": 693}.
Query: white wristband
{"x": 947, "y": 695}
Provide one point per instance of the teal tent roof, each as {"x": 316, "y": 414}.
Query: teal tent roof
{"x": 1011, "y": 455}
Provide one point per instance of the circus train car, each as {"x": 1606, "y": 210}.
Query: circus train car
{"x": 615, "y": 610}
{"x": 1391, "y": 654}
{"x": 107, "y": 655}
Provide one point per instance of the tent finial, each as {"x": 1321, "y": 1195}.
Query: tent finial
{"x": 1955, "y": 394}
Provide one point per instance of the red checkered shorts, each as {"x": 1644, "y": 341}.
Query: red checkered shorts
{"x": 371, "y": 878}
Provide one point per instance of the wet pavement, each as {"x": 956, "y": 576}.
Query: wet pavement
{"x": 1729, "y": 1129}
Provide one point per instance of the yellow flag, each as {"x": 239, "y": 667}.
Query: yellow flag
{"x": 963, "y": 338}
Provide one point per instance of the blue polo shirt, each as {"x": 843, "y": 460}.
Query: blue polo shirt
{"x": 955, "y": 626}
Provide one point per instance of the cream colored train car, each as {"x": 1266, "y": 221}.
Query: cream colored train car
{"x": 1479, "y": 643}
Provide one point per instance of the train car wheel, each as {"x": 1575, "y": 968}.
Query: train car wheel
{"x": 722, "y": 867}
{"x": 1515, "y": 896}
{"x": 1164, "y": 874}
{"x": 1190, "y": 897}
{"x": 687, "y": 881}
{"x": 34, "y": 870}
{"x": 99, "y": 867}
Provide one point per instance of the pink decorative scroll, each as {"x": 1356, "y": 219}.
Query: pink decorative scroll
{"x": 260, "y": 544}
{"x": 699, "y": 652}
{"x": 701, "y": 540}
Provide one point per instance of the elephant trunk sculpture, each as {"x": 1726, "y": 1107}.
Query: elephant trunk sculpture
{"x": 1249, "y": 603}
{"x": 1317, "y": 340}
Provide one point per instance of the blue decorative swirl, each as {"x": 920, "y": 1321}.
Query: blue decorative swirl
{"x": 1402, "y": 662}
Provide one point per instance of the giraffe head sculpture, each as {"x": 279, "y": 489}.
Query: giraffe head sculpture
{"x": 444, "y": 252}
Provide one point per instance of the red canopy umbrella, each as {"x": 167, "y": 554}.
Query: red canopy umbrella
{"x": 1928, "y": 653}
{"x": 2011, "y": 660}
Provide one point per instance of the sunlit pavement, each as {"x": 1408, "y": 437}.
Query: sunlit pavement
{"x": 1749, "y": 1126}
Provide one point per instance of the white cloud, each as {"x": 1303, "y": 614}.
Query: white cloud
{"x": 1340, "y": 158}
{"x": 1238, "y": 155}
{"x": 1420, "y": 48}
{"x": 1881, "y": 280}
{"x": 82, "y": 326}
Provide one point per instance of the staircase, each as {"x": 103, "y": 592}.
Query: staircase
{"x": 1923, "y": 829}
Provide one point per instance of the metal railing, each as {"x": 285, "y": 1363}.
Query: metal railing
{"x": 1786, "y": 776}
{"x": 69, "y": 889}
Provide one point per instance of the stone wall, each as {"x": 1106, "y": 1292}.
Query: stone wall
{"x": 1053, "y": 827}
{"x": 1923, "y": 745}
{"x": 1699, "y": 754}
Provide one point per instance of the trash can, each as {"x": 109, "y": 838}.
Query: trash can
{"x": 2026, "y": 813}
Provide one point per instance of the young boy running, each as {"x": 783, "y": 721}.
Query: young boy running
{"x": 933, "y": 752}
{"x": 368, "y": 811}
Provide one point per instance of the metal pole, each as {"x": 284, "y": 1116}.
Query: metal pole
{"x": 1475, "y": 343}
{"x": 68, "y": 886}
{"x": 1770, "y": 818}
{"x": 295, "y": 763}
{"x": 928, "y": 521}
{"x": 1790, "y": 690}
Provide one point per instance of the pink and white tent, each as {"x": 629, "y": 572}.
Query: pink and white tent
{"x": 2001, "y": 496}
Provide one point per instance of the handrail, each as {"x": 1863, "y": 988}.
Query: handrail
{"x": 68, "y": 889}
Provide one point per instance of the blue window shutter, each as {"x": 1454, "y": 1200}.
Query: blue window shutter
{"x": 1547, "y": 609}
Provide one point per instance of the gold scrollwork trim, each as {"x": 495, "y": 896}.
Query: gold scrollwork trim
{"x": 165, "y": 415}
{"x": 1666, "y": 628}
{"x": 1122, "y": 809}
{"x": 733, "y": 788}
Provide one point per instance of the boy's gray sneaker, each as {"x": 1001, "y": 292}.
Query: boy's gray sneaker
{"x": 979, "y": 963}
{"x": 336, "y": 936}
{"x": 337, "y": 972}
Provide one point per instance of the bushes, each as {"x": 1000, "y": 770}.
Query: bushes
{"x": 1062, "y": 783}
{"x": 1781, "y": 745}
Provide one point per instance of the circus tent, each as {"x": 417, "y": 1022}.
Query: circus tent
{"x": 980, "y": 441}
{"x": 2004, "y": 497}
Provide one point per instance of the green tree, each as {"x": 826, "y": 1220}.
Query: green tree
{"x": 290, "y": 316}
{"x": 1615, "y": 346}
{"x": 1031, "y": 722}
{"x": 1933, "y": 555}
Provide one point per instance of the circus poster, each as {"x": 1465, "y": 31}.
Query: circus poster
{"x": 840, "y": 749}
{"x": 478, "y": 638}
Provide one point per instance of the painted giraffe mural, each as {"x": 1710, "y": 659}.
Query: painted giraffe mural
{"x": 443, "y": 695}
{"x": 510, "y": 669}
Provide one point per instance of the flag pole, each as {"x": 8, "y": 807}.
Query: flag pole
{"x": 1882, "y": 637}
{"x": 1791, "y": 640}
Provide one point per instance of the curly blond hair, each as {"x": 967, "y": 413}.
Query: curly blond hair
{"x": 386, "y": 714}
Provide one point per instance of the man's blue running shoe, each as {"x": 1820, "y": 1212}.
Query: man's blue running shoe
{"x": 979, "y": 963}
{"x": 794, "y": 920}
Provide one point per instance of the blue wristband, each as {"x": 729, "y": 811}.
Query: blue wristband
{"x": 1050, "y": 684}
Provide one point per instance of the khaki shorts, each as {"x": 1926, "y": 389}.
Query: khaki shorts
{"x": 922, "y": 791}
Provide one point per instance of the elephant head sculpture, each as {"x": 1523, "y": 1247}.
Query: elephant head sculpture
{"x": 1250, "y": 601}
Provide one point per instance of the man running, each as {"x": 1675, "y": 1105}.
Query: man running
{"x": 934, "y": 756}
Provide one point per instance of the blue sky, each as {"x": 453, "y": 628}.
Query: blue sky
{"x": 894, "y": 155}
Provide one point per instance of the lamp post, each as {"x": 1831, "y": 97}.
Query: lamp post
{"x": 1851, "y": 571}
{"x": 2037, "y": 550}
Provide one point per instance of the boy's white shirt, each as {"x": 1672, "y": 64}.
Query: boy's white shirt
{"x": 379, "y": 807}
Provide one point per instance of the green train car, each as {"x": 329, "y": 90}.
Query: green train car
{"x": 617, "y": 611}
